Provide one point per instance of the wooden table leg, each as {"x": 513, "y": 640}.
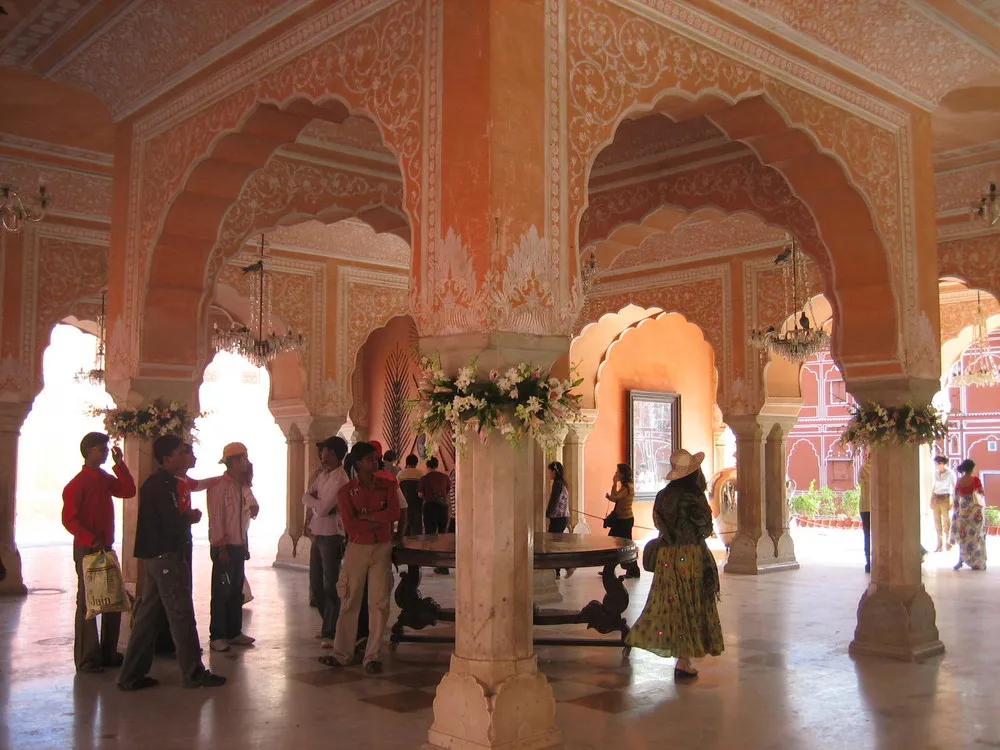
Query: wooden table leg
{"x": 415, "y": 611}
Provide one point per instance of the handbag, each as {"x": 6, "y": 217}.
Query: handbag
{"x": 650, "y": 552}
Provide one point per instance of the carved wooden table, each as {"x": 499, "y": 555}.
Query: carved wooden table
{"x": 551, "y": 551}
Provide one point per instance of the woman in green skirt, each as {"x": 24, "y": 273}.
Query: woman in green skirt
{"x": 680, "y": 617}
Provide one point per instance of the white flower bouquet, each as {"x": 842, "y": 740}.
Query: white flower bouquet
{"x": 149, "y": 422}
{"x": 521, "y": 401}
{"x": 874, "y": 425}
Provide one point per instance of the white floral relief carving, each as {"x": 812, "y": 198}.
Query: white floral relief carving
{"x": 15, "y": 385}
{"x": 974, "y": 260}
{"x": 285, "y": 186}
{"x": 372, "y": 62}
{"x": 450, "y": 285}
{"x": 922, "y": 354}
{"x": 124, "y": 62}
{"x": 348, "y": 239}
{"x": 744, "y": 399}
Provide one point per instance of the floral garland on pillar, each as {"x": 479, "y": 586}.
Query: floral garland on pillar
{"x": 522, "y": 401}
{"x": 873, "y": 425}
{"x": 149, "y": 422}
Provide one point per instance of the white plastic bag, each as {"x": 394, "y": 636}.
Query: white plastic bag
{"x": 103, "y": 584}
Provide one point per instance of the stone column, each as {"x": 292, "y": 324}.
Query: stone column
{"x": 12, "y": 416}
{"x": 493, "y": 695}
{"x": 573, "y": 462}
{"x": 896, "y": 616}
{"x": 776, "y": 498}
{"x": 751, "y": 551}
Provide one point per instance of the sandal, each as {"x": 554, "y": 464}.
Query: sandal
{"x": 330, "y": 661}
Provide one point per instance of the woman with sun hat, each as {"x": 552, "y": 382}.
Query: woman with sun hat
{"x": 681, "y": 618}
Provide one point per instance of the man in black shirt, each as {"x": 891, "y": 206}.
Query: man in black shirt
{"x": 162, "y": 531}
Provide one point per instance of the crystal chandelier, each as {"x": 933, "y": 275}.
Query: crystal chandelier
{"x": 988, "y": 208}
{"x": 984, "y": 370}
{"x": 96, "y": 375}
{"x": 250, "y": 340}
{"x": 14, "y": 211}
{"x": 801, "y": 340}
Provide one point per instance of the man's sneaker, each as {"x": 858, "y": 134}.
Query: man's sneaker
{"x": 373, "y": 667}
{"x": 242, "y": 640}
{"x": 219, "y": 644}
{"x": 206, "y": 679}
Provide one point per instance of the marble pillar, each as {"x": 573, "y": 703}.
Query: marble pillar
{"x": 751, "y": 550}
{"x": 494, "y": 695}
{"x": 896, "y": 615}
{"x": 778, "y": 514}
{"x": 12, "y": 416}
{"x": 573, "y": 462}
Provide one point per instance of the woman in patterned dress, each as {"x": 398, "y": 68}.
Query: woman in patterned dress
{"x": 681, "y": 617}
{"x": 967, "y": 525}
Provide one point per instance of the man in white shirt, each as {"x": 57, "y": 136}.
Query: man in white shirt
{"x": 941, "y": 496}
{"x": 327, "y": 528}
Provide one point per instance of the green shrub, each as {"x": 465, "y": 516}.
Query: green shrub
{"x": 826, "y": 502}
{"x": 992, "y": 514}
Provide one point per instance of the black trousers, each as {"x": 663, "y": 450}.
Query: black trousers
{"x": 435, "y": 517}
{"x": 166, "y": 588}
{"x": 227, "y": 598}
{"x": 866, "y": 527}
{"x": 622, "y": 528}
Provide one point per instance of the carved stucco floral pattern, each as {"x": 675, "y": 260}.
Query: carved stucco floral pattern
{"x": 73, "y": 191}
{"x": 962, "y": 313}
{"x": 620, "y": 62}
{"x": 731, "y": 233}
{"x": 740, "y": 185}
{"x": 701, "y": 297}
{"x": 125, "y": 61}
{"x": 889, "y": 37}
{"x": 960, "y": 189}
{"x": 650, "y": 137}
{"x": 348, "y": 237}
{"x": 67, "y": 271}
{"x": 374, "y": 66}
{"x": 286, "y": 187}
{"x": 974, "y": 260}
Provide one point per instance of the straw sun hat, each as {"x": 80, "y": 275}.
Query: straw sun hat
{"x": 683, "y": 463}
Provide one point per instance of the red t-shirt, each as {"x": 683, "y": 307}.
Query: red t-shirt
{"x": 361, "y": 506}
{"x": 88, "y": 512}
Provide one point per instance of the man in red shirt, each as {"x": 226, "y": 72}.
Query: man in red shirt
{"x": 369, "y": 506}
{"x": 89, "y": 515}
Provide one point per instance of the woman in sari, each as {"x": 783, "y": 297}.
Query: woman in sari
{"x": 967, "y": 527}
{"x": 681, "y": 617}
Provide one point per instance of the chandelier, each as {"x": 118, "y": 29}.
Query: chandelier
{"x": 14, "y": 211}
{"x": 984, "y": 370}
{"x": 250, "y": 340}
{"x": 95, "y": 376}
{"x": 800, "y": 340}
{"x": 989, "y": 206}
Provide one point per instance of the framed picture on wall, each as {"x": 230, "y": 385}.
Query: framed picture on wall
{"x": 654, "y": 432}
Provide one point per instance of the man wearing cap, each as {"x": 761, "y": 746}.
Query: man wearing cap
{"x": 327, "y": 529}
{"x": 228, "y": 539}
{"x": 89, "y": 515}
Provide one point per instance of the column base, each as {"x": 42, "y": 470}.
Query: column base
{"x": 519, "y": 713}
{"x": 292, "y": 552}
{"x": 754, "y": 556}
{"x": 13, "y": 581}
{"x": 546, "y": 590}
{"x": 784, "y": 549}
{"x": 898, "y": 622}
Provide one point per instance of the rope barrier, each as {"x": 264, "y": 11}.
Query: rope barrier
{"x": 601, "y": 519}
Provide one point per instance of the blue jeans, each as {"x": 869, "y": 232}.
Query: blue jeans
{"x": 331, "y": 552}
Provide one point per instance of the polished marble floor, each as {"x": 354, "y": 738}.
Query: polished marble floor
{"x": 784, "y": 682}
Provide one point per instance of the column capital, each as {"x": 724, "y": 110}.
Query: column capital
{"x": 495, "y": 350}
{"x": 577, "y": 432}
{"x": 747, "y": 427}
{"x": 12, "y": 415}
{"x": 894, "y": 391}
